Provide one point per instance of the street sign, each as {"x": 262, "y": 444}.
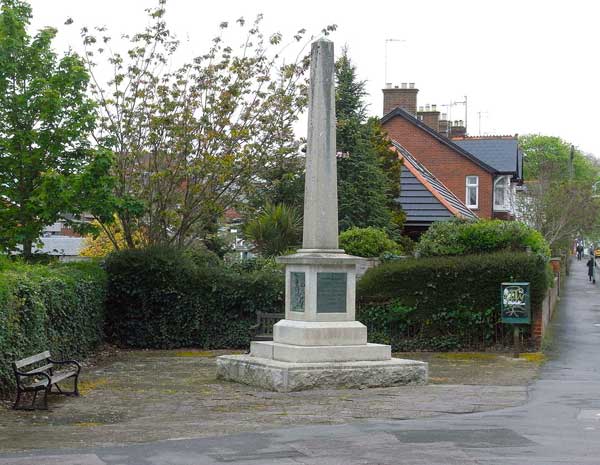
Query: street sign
{"x": 515, "y": 303}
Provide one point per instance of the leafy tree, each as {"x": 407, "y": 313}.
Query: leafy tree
{"x": 557, "y": 204}
{"x": 106, "y": 239}
{"x": 368, "y": 171}
{"x": 47, "y": 170}
{"x": 548, "y": 152}
{"x": 191, "y": 142}
{"x": 276, "y": 230}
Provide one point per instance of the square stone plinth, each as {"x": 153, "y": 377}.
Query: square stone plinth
{"x": 318, "y": 354}
{"x": 280, "y": 376}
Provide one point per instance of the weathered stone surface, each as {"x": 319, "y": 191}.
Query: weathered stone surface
{"x": 320, "y": 191}
{"x": 287, "y": 377}
{"x": 309, "y": 333}
{"x": 319, "y": 354}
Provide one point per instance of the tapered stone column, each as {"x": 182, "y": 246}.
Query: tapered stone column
{"x": 320, "y": 343}
{"x": 320, "y": 232}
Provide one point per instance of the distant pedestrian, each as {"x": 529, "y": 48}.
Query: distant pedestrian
{"x": 591, "y": 250}
{"x": 579, "y": 251}
{"x": 591, "y": 264}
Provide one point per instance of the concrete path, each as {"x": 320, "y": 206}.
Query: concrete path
{"x": 559, "y": 425}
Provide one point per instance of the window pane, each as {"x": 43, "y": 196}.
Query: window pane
{"x": 472, "y": 180}
{"x": 499, "y": 195}
{"x": 472, "y": 196}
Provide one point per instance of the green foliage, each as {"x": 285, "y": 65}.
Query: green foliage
{"x": 202, "y": 256}
{"x": 447, "y": 330}
{"x": 368, "y": 171}
{"x": 368, "y": 242}
{"x": 459, "y": 237}
{"x": 547, "y": 153}
{"x": 558, "y": 201}
{"x": 47, "y": 168}
{"x": 58, "y": 307}
{"x": 276, "y": 230}
{"x": 445, "y": 303}
{"x": 159, "y": 298}
{"x": 191, "y": 142}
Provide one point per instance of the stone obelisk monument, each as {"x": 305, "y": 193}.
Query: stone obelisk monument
{"x": 319, "y": 343}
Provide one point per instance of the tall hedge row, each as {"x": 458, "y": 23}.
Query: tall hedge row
{"x": 445, "y": 303}
{"x": 162, "y": 298}
{"x": 56, "y": 307}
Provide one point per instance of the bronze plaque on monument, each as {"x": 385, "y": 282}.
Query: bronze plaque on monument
{"x": 331, "y": 292}
{"x": 297, "y": 282}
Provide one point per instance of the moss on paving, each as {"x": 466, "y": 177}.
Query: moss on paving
{"x": 147, "y": 395}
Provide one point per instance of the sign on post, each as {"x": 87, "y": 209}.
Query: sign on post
{"x": 515, "y": 303}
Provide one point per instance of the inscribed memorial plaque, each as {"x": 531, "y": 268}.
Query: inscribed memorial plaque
{"x": 331, "y": 292}
{"x": 297, "y": 291}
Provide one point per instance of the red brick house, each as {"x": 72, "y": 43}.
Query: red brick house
{"x": 484, "y": 183}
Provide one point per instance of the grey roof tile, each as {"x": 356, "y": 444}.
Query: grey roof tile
{"x": 503, "y": 154}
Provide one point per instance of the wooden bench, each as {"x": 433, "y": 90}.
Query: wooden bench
{"x": 43, "y": 377}
{"x": 263, "y": 329}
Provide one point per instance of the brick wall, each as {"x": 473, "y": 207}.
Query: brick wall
{"x": 65, "y": 231}
{"x": 405, "y": 98}
{"x": 431, "y": 119}
{"x": 447, "y": 165}
{"x": 541, "y": 316}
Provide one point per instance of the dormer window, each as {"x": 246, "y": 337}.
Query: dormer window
{"x": 472, "y": 188}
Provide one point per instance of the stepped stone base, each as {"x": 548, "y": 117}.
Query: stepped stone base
{"x": 319, "y": 354}
{"x": 280, "y": 376}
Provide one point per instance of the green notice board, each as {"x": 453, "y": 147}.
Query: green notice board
{"x": 515, "y": 303}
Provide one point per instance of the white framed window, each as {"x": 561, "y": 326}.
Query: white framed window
{"x": 502, "y": 193}
{"x": 472, "y": 191}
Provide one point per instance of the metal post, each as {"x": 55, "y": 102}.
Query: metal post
{"x": 516, "y": 341}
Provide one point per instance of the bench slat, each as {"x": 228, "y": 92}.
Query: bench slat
{"x": 32, "y": 359}
{"x": 40, "y": 369}
{"x": 54, "y": 379}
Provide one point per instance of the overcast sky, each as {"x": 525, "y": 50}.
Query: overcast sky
{"x": 526, "y": 66}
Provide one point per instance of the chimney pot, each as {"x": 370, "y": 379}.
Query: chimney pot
{"x": 411, "y": 85}
{"x": 433, "y": 107}
{"x": 404, "y": 85}
{"x": 420, "y": 108}
{"x": 427, "y": 107}
{"x": 445, "y": 116}
{"x": 388, "y": 85}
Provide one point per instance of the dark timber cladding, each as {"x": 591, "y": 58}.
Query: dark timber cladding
{"x": 419, "y": 205}
{"x": 423, "y": 197}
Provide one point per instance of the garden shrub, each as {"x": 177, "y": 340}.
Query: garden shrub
{"x": 459, "y": 237}
{"x": 161, "y": 298}
{"x": 58, "y": 308}
{"x": 445, "y": 303}
{"x": 368, "y": 242}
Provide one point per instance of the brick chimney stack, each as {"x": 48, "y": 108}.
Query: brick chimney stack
{"x": 444, "y": 125}
{"x": 404, "y": 97}
{"x": 458, "y": 129}
{"x": 430, "y": 116}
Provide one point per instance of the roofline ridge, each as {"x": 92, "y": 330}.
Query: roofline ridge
{"x": 444, "y": 140}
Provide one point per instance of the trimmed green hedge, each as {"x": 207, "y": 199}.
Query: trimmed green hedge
{"x": 57, "y": 307}
{"x": 368, "y": 242}
{"x": 160, "y": 298}
{"x": 445, "y": 303}
{"x": 460, "y": 237}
